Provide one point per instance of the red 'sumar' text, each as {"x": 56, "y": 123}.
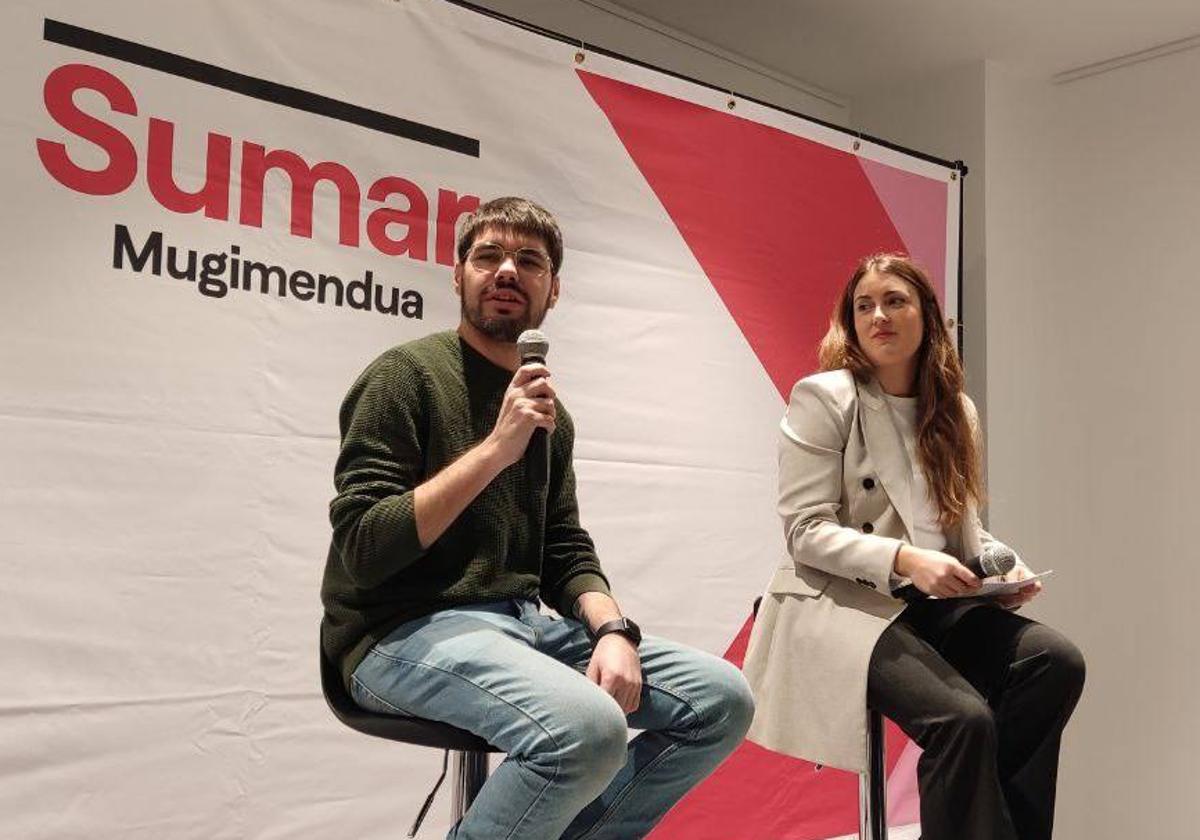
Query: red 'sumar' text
{"x": 391, "y": 230}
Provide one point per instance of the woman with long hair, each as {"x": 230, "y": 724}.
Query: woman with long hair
{"x": 880, "y": 482}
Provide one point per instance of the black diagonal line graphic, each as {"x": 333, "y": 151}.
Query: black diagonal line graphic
{"x": 290, "y": 97}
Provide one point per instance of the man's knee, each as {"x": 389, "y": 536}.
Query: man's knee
{"x": 593, "y": 737}
{"x": 735, "y": 701}
{"x": 579, "y": 744}
{"x": 605, "y": 736}
{"x": 723, "y": 705}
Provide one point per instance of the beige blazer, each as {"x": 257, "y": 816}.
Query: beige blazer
{"x": 845, "y": 486}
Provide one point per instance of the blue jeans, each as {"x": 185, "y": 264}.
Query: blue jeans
{"x": 515, "y": 677}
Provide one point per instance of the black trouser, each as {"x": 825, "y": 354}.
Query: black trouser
{"x": 986, "y": 694}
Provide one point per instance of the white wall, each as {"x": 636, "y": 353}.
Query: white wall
{"x": 1092, "y": 219}
{"x": 1081, "y": 241}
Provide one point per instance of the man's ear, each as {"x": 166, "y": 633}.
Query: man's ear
{"x": 458, "y": 269}
{"x": 553, "y": 299}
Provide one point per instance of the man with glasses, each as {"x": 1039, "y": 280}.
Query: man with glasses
{"x": 445, "y": 542}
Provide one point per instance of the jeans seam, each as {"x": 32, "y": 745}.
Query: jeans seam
{"x": 495, "y": 696}
{"x": 692, "y": 735}
{"x": 651, "y": 765}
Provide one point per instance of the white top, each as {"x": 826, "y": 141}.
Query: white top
{"x": 925, "y": 512}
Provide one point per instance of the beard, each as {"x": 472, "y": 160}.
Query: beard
{"x": 501, "y": 328}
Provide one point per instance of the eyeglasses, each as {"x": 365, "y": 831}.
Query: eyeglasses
{"x": 531, "y": 263}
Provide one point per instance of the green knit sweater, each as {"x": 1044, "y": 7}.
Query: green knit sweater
{"x": 415, "y": 409}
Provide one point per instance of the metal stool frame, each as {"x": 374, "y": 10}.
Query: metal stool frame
{"x": 872, "y": 785}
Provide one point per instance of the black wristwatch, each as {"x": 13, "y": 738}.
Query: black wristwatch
{"x": 624, "y": 626}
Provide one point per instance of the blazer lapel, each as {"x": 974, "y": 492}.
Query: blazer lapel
{"x": 887, "y": 450}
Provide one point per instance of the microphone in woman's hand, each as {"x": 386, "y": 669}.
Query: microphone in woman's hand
{"x": 996, "y": 559}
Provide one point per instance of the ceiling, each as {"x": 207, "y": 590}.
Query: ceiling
{"x": 853, "y": 47}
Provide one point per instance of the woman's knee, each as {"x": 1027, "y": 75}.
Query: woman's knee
{"x": 1056, "y": 661}
{"x": 1070, "y": 661}
{"x": 1068, "y": 666}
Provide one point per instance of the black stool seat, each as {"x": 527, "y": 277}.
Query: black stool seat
{"x": 410, "y": 730}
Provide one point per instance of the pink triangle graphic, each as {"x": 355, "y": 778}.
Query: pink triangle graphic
{"x": 917, "y": 207}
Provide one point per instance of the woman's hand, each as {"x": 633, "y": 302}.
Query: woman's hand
{"x": 1023, "y": 595}
{"x": 934, "y": 572}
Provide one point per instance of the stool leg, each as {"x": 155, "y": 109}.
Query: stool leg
{"x": 470, "y": 772}
{"x": 872, "y": 785}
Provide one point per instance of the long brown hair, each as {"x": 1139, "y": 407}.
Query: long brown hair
{"x": 946, "y": 443}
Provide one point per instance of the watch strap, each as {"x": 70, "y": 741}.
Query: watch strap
{"x": 624, "y": 626}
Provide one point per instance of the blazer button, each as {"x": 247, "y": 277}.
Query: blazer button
{"x": 868, "y": 484}
{"x": 868, "y": 528}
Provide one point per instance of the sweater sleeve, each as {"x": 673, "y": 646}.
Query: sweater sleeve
{"x": 374, "y": 526}
{"x": 570, "y": 566}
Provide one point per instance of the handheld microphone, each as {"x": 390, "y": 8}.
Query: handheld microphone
{"x": 532, "y": 346}
{"x": 996, "y": 559}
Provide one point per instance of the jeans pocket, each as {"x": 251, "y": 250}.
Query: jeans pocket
{"x": 372, "y": 702}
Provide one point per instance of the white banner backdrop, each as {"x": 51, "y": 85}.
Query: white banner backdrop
{"x": 172, "y": 365}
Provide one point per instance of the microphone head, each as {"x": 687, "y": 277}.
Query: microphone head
{"x": 997, "y": 559}
{"x": 532, "y": 345}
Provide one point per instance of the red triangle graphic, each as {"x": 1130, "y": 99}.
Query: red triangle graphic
{"x": 776, "y": 221}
